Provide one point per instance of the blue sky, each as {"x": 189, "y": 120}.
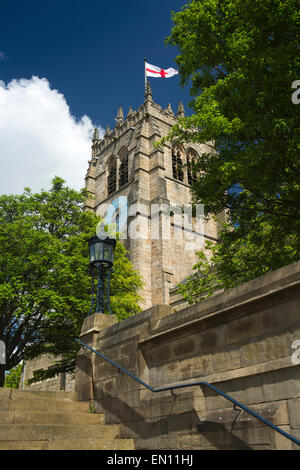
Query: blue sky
{"x": 91, "y": 51}
{"x": 65, "y": 67}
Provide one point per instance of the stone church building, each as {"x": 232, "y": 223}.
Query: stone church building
{"x": 156, "y": 181}
{"x": 231, "y": 357}
{"x": 161, "y": 242}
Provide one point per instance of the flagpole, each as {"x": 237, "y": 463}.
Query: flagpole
{"x": 145, "y": 60}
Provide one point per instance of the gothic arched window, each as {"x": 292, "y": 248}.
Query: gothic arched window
{"x": 191, "y": 159}
{"x": 112, "y": 176}
{"x": 123, "y": 169}
{"x": 177, "y": 163}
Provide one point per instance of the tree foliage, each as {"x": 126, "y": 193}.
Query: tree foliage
{"x": 12, "y": 378}
{"x": 45, "y": 284}
{"x": 238, "y": 258}
{"x": 240, "y": 58}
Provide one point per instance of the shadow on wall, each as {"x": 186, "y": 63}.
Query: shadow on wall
{"x": 186, "y": 427}
{"x": 182, "y": 430}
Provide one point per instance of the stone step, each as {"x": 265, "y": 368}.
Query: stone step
{"x": 41, "y": 404}
{"x": 40, "y": 432}
{"x": 13, "y": 393}
{"x": 20, "y": 416}
{"x": 66, "y": 444}
{"x": 36, "y": 420}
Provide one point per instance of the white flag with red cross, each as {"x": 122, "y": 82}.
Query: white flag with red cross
{"x": 157, "y": 72}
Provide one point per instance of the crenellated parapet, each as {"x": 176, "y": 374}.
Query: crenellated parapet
{"x": 149, "y": 109}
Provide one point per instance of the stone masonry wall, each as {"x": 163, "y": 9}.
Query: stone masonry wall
{"x": 62, "y": 381}
{"x": 239, "y": 340}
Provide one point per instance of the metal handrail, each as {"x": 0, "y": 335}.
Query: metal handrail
{"x": 192, "y": 384}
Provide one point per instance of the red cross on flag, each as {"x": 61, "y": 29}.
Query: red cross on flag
{"x": 154, "y": 71}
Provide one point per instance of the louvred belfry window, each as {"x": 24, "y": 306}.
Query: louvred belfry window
{"x": 123, "y": 170}
{"x": 177, "y": 163}
{"x": 191, "y": 158}
{"x": 112, "y": 176}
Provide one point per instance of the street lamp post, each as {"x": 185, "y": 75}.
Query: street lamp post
{"x": 102, "y": 253}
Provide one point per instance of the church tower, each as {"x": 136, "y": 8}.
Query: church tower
{"x": 126, "y": 166}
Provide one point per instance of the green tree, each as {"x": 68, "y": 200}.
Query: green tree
{"x": 45, "y": 284}
{"x": 12, "y": 378}
{"x": 238, "y": 258}
{"x": 240, "y": 59}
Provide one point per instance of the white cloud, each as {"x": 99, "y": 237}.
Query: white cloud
{"x": 39, "y": 138}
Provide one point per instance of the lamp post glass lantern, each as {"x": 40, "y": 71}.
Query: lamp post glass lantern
{"x": 102, "y": 252}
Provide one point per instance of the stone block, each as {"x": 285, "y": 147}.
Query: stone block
{"x": 266, "y": 349}
{"x": 125, "y": 383}
{"x": 185, "y": 347}
{"x": 244, "y": 328}
{"x": 6, "y": 417}
{"x": 129, "y": 362}
{"x": 295, "y": 336}
{"x": 144, "y": 444}
{"x": 128, "y": 349}
{"x": 156, "y": 407}
{"x": 226, "y": 359}
{"x": 130, "y": 399}
{"x": 85, "y": 392}
{"x": 275, "y": 412}
{"x": 5, "y": 393}
{"x": 280, "y": 316}
{"x": 247, "y": 390}
{"x": 170, "y": 373}
{"x": 158, "y": 355}
{"x": 83, "y": 368}
{"x": 211, "y": 339}
{"x": 156, "y": 377}
{"x": 103, "y": 369}
{"x": 158, "y": 427}
{"x": 295, "y": 433}
{"x": 185, "y": 405}
{"x": 281, "y": 384}
{"x": 196, "y": 442}
{"x": 109, "y": 387}
{"x": 222, "y": 438}
{"x": 131, "y": 429}
{"x": 36, "y": 432}
{"x": 166, "y": 406}
{"x": 97, "y": 322}
{"x": 165, "y": 442}
{"x": 183, "y": 423}
{"x": 198, "y": 366}
{"x": 117, "y": 337}
{"x": 294, "y": 412}
{"x": 157, "y": 312}
{"x": 144, "y": 428}
{"x": 117, "y": 410}
{"x": 5, "y": 405}
{"x": 199, "y": 404}
{"x": 280, "y": 442}
{"x": 253, "y": 437}
{"x": 146, "y": 394}
{"x": 226, "y": 418}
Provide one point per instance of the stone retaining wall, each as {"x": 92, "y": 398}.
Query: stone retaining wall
{"x": 239, "y": 340}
